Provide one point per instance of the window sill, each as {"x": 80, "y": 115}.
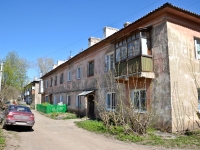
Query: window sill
{"x": 90, "y": 75}
{"x": 141, "y": 111}
{"x": 108, "y": 109}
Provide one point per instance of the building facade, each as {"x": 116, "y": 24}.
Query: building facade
{"x": 31, "y": 93}
{"x": 155, "y": 62}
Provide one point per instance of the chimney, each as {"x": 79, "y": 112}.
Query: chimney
{"x": 126, "y": 24}
{"x": 109, "y": 31}
{"x": 92, "y": 41}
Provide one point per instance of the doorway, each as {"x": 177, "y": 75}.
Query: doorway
{"x": 91, "y": 114}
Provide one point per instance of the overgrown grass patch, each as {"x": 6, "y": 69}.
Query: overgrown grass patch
{"x": 90, "y": 125}
{"x": 2, "y": 140}
{"x": 191, "y": 140}
{"x": 60, "y": 115}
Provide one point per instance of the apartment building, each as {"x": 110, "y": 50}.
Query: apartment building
{"x": 154, "y": 60}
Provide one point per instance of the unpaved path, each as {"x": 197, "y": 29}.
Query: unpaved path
{"x": 49, "y": 134}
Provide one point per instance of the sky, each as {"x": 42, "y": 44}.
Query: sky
{"x": 57, "y": 28}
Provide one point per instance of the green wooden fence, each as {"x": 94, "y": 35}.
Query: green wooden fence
{"x": 51, "y": 108}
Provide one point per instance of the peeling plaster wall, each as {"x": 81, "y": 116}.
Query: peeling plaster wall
{"x": 37, "y": 96}
{"x": 102, "y": 82}
{"x": 161, "y": 99}
{"x": 183, "y": 89}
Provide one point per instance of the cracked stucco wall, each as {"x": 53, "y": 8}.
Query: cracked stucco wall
{"x": 161, "y": 99}
{"x": 183, "y": 66}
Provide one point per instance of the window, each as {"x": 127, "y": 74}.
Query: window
{"x": 54, "y": 100}
{"x": 46, "y": 99}
{"x": 78, "y": 101}
{"x": 118, "y": 55}
{"x": 198, "y": 90}
{"x": 69, "y": 76}
{"x": 197, "y": 48}
{"x": 51, "y": 82}
{"x": 109, "y": 62}
{"x": 46, "y": 83}
{"x": 78, "y": 74}
{"x": 91, "y": 68}
{"x": 139, "y": 99}
{"x": 61, "y": 78}
{"x": 61, "y": 98}
{"x": 68, "y": 100}
{"x": 130, "y": 49}
{"x": 123, "y": 52}
{"x": 136, "y": 44}
{"x": 55, "y": 83}
{"x": 110, "y": 101}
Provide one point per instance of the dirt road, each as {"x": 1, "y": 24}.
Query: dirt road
{"x": 49, "y": 134}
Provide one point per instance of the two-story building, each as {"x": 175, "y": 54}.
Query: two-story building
{"x": 154, "y": 60}
{"x": 31, "y": 93}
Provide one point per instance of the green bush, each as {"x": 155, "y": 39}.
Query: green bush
{"x": 46, "y": 104}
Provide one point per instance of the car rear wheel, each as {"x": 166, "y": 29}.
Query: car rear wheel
{"x": 29, "y": 127}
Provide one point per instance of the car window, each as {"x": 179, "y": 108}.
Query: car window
{"x": 23, "y": 109}
{"x": 11, "y": 108}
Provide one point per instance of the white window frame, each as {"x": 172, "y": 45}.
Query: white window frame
{"x": 46, "y": 83}
{"x": 54, "y": 100}
{"x": 78, "y": 101}
{"x": 197, "y": 47}
{"x": 61, "y": 98}
{"x": 139, "y": 109}
{"x": 68, "y": 101}
{"x": 109, "y": 65}
{"x": 78, "y": 73}
{"x": 112, "y": 98}
{"x": 69, "y": 75}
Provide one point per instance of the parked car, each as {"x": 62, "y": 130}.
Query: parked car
{"x": 17, "y": 115}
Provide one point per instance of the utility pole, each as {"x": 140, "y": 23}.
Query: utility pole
{"x": 1, "y": 70}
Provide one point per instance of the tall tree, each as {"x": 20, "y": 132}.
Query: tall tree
{"x": 44, "y": 65}
{"x": 15, "y": 70}
{"x": 14, "y": 75}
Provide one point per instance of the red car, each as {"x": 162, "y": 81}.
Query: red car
{"x": 17, "y": 115}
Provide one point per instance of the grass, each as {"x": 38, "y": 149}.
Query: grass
{"x": 188, "y": 140}
{"x": 2, "y": 140}
{"x": 60, "y": 116}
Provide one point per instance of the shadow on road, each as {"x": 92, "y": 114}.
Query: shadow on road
{"x": 19, "y": 129}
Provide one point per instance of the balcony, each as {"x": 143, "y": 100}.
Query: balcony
{"x": 140, "y": 65}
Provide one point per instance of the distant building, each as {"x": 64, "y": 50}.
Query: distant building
{"x": 31, "y": 93}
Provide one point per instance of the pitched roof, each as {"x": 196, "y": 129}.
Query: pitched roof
{"x": 109, "y": 39}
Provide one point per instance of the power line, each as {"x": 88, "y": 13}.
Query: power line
{"x": 101, "y": 29}
{"x": 193, "y": 4}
